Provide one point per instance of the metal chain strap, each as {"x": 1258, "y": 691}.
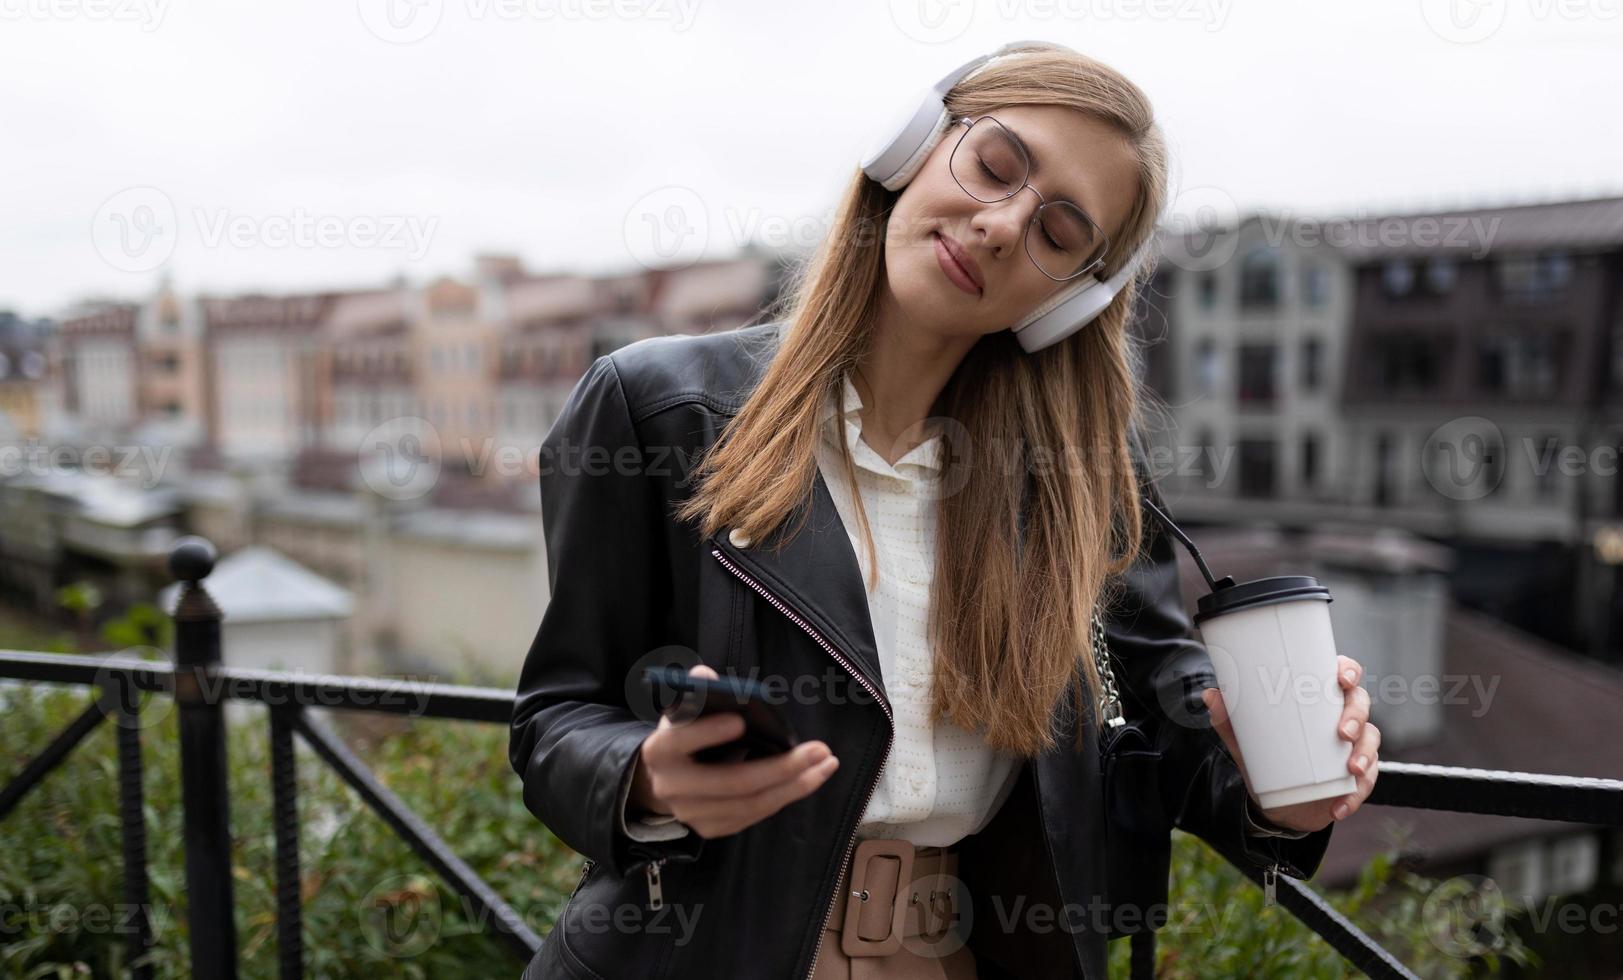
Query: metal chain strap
{"x": 1109, "y": 696}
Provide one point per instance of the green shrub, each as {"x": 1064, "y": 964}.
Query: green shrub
{"x": 61, "y": 872}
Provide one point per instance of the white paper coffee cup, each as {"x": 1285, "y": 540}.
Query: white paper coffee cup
{"x": 1274, "y": 653}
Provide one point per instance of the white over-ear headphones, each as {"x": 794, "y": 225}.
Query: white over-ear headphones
{"x": 896, "y": 158}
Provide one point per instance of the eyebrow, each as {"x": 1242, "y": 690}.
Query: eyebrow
{"x": 1026, "y": 149}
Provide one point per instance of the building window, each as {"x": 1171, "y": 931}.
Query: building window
{"x": 1520, "y": 363}
{"x": 1258, "y": 474}
{"x": 1257, "y": 374}
{"x": 1404, "y": 361}
{"x": 1441, "y": 274}
{"x": 1259, "y": 279}
{"x": 1547, "y": 466}
{"x": 1205, "y": 448}
{"x": 1208, "y": 290}
{"x": 1312, "y": 363}
{"x": 1316, "y": 285}
{"x": 1385, "y": 469}
{"x": 1206, "y": 366}
{"x": 1533, "y": 278}
{"x": 1397, "y": 277}
{"x": 1310, "y": 461}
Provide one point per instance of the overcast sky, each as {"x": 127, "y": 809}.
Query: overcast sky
{"x": 309, "y": 144}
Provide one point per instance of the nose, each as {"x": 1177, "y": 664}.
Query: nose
{"x": 1003, "y": 224}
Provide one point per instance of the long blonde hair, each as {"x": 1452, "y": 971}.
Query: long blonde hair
{"x": 1010, "y": 606}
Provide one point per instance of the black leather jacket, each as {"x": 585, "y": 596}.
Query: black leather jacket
{"x": 628, "y": 580}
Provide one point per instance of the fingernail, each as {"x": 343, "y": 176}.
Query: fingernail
{"x": 831, "y": 763}
{"x": 1350, "y": 729}
{"x": 1361, "y": 762}
{"x": 1349, "y": 675}
{"x": 1340, "y": 811}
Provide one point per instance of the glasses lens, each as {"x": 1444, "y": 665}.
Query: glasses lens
{"x": 1062, "y": 240}
{"x": 988, "y": 163}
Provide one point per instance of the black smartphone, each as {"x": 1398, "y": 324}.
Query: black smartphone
{"x": 685, "y": 697}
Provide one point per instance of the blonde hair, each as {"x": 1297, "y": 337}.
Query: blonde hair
{"x": 1010, "y": 606}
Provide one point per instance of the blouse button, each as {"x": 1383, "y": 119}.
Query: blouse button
{"x": 915, "y": 576}
{"x": 915, "y": 674}
{"x": 917, "y": 781}
{"x": 738, "y": 538}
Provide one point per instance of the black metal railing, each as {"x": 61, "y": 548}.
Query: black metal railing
{"x": 201, "y": 685}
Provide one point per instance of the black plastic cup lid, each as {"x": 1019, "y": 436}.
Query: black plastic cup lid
{"x": 1261, "y": 592}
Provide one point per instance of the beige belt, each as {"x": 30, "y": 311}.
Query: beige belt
{"x": 872, "y": 921}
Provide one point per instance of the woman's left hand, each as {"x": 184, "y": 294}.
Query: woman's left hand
{"x": 1354, "y": 726}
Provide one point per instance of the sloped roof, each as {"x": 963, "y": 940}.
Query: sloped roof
{"x": 259, "y": 584}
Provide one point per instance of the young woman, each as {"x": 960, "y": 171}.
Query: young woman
{"x": 885, "y": 504}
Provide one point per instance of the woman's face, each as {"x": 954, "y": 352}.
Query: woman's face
{"x": 1074, "y": 156}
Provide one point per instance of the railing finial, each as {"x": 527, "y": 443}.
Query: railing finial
{"x": 191, "y": 558}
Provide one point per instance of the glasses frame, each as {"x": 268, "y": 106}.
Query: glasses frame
{"x": 969, "y": 123}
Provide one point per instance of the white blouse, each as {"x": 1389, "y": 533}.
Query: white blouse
{"x": 940, "y": 783}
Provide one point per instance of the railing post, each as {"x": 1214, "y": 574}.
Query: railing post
{"x": 203, "y": 775}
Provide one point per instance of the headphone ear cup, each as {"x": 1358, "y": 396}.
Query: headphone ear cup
{"x": 1042, "y": 327}
{"x": 915, "y": 161}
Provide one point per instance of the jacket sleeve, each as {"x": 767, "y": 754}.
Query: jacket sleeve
{"x": 1163, "y": 671}
{"x": 574, "y": 736}
{"x": 649, "y": 827}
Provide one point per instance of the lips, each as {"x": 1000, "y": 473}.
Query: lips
{"x": 958, "y": 265}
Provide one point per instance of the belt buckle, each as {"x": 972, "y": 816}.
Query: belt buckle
{"x": 858, "y": 892}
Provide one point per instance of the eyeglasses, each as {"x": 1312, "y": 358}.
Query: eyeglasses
{"x": 991, "y": 166}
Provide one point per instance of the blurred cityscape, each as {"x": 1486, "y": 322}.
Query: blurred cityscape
{"x": 1425, "y": 410}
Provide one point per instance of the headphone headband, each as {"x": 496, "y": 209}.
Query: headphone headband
{"x": 896, "y": 158}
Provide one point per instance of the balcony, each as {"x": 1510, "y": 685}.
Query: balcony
{"x": 202, "y": 689}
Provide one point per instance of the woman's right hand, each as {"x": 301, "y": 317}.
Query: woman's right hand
{"x": 721, "y": 798}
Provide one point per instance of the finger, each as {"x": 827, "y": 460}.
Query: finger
{"x": 1349, "y": 672}
{"x": 731, "y": 780}
{"x": 732, "y": 816}
{"x": 1363, "y": 754}
{"x": 1346, "y": 806}
{"x": 703, "y": 670}
{"x": 1354, "y": 714}
{"x": 679, "y": 740}
{"x": 1215, "y": 707}
{"x": 1349, "y": 805}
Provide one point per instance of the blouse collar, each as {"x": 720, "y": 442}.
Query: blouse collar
{"x": 921, "y": 462}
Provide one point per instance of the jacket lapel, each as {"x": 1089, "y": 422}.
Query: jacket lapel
{"x": 817, "y": 576}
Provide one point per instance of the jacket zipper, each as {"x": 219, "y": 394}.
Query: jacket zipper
{"x": 1270, "y": 875}
{"x": 890, "y": 729}
{"x": 585, "y": 872}
{"x": 656, "y": 891}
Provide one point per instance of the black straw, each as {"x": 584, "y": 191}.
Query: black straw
{"x": 1177, "y": 532}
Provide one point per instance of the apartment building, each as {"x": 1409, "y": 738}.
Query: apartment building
{"x": 1457, "y": 374}
{"x": 96, "y": 362}
{"x": 24, "y": 393}
{"x": 1256, "y": 320}
{"x": 1477, "y": 366}
{"x": 267, "y": 377}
